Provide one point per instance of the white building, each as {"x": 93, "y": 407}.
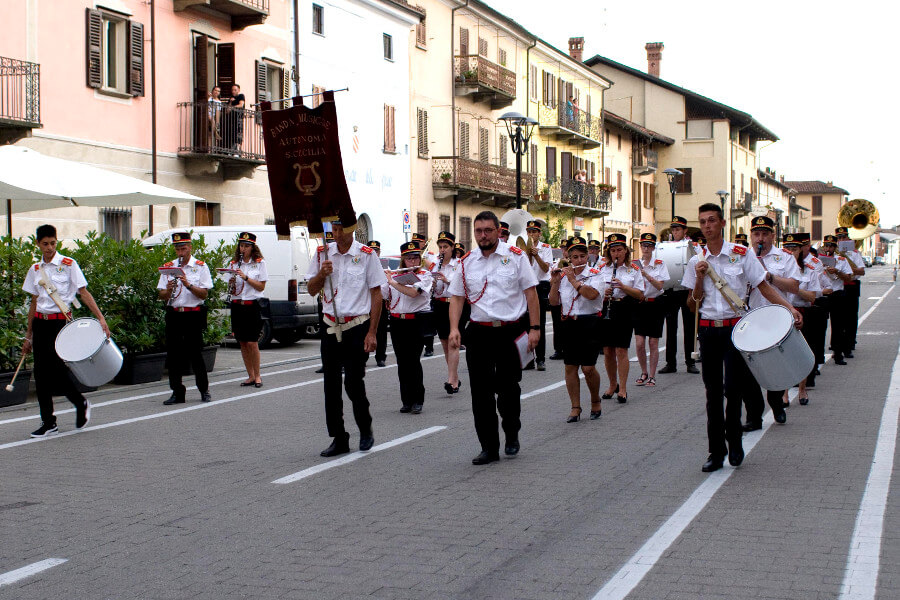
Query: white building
{"x": 363, "y": 45}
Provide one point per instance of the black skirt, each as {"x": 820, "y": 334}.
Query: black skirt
{"x": 246, "y": 321}
{"x": 616, "y": 331}
{"x": 649, "y": 318}
{"x": 581, "y": 340}
{"x": 441, "y": 317}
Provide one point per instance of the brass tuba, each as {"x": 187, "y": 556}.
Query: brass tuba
{"x": 517, "y": 219}
{"x": 860, "y": 217}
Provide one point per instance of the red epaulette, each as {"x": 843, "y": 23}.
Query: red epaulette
{"x": 169, "y": 264}
{"x": 593, "y": 271}
{"x": 543, "y": 245}
{"x": 366, "y": 249}
{"x": 515, "y": 250}
{"x": 840, "y": 258}
{"x": 465, "y": 256}
{"x": 814, "y": 259}
{"x": 738, "y": 249}
{"x": 67, "y": 261}
{"x": 258, "y": 260}
{"x": 786, "y": 251}
{"x": 657, "y": 262}
{"x": 37, "y": 267}
{"x": 323, "y": 248}
{"x": 199, "y": 262}
{"x": 421, "y": 272}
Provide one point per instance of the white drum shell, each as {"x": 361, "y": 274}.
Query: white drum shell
{"x": 676, "y": 256}
{"x": 786, "y": 360}
{"x": 93, "y": 358}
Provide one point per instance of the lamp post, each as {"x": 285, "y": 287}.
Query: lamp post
{"x": 515, "y": 123}
{"x": 672, "y": 175}
{"x": 723, "y": 196}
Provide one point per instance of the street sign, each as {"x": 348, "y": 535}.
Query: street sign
{"x": 407, "y": 226}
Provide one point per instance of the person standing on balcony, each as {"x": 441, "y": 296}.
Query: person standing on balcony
{"x": 541, "y": 255}
{"x": 575, "y": 111}
{"x": 580, "y": 181}
{"x": 234, "y": 123}
{"x": 675, "y": 299}
{"x": 214, "y": 112}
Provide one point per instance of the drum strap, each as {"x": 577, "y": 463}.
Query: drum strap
{"x": 54, "y": 294}
{"x": 736, "y": 302}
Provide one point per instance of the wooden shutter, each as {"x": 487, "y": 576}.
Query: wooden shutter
{"x": 94, "y": 38}
{"x": 534, "y": 158}
{"x": 561, "y": 92}
{"x": 684, "y": 183}
{"x": 201, "y": 46}
{"x": 261, "y": 82}
{"x": 606, "y": 175}
{"x": 421, "y": 35}
{"x": 422, "y": 132}
{"x": 318, "y": 96}
{"x": 445, "y": 222}
{"x": 464, "y": 140}
{"x": 225, "y": 68}
{"x": 135, "y": 54}
{"x": 619, "y": 184}
{"x": 502, "y": 147}
{"x": 545, "y": 88}
{"x": 483, "y": 144}
{"x": 286, "y": 87}
{"x": 482, "y": 47}
{"x": 464, "y": 44}
{"x": 587, "y": 105}
{"x": 565, "y": 165}
{"x": 422, "y": 223}
{"x": 389, "y": 141}
{"x": 551, "y": 163}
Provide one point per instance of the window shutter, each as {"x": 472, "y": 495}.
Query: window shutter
{"x": 389, "y": 143}
{"x": 463, "y": 42}
{"x": 464, "y": 140}
{"x": 502, "y": 147}
{"x": 135, "y": 51}
{"x": 421, "y": 35}
{"x": 483, "y": 144}
{"x": 318, "y": 97}
{"x": 225, "y": 68}
{"x": 482, "y": 47}
{"x": 261, "y": 82}
{"x": 422, "y": 223}
{"x": 94, "y": 29}
{"x": 534, "y": 158}
{"x": 619, "y": 185}
{"x": 422, "y": 132}
{"x": 565, "y": 165}
{"x": 502, "y": 56}
{"x": 393, "y": 131}
{"x": 551, "y": 163}
{"x": 201, "y": 73}
{"x": 285, "y": 86}
{"x": 606, "y": 175}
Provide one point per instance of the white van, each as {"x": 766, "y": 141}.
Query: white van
{"x": 292, "y": 312}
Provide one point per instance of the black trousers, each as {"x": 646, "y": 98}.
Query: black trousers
{"x": 852, "y": 320}
{"x": 494, "y": 376}
{"x": 406, "y": 335}
{"x": 543, "y": 292}
{"x": 51, "y": 375}
{"x": 839, "y": 313}
{"x": 184, "y": 345}
{"x": 350, "y": 354}
{"x": 753, "y": 399}
{"x": 724, "y": 374}
{"x": 677, "y": 300}
{"x": 556, "y": 317}
{"x": 381, "y": 336}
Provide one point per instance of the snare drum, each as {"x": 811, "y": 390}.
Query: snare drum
{"x": 774, "y": 350}
{"x": 676, "y": 256}
{"x": 93, "y": 358}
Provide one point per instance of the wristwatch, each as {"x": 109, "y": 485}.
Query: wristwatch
{"x": 535, "y": 328}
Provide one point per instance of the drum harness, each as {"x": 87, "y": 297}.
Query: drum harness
{"x": 54, "y": 294}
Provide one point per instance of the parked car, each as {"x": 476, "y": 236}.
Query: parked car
{"x": 878, "y": 260}
{"x": 291, "y": 313}
{"x": 867, "y": 261}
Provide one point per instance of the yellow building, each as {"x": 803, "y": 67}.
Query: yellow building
{"x": 823, "y": 201}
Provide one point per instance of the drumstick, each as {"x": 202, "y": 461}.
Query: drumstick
{"x": 9, "y": 388}
{"x": 696, "y": 353}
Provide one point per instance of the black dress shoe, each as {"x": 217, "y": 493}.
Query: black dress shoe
{"x": 173, "y": 399}
{"x": 556, "y": 356}
{"x": 692, "y": 368}
{"x": 339, "y": 445}
{"x": 804, "y": 401}
{"x": 785, "y": 404}
{"x": 206, "y": 396}
{"x": 320, "y": 370}
{"x": 609, "y": 396}
{"x": 781, "y": 418}
{"x": 621, "y": 399}
{"x": 416, "y": 409}
{"x": 755, "y": 426}
{"x": 366, "y": 442}
{"x": 541, "y": 366}
{"x": 429, "y": 353}
{"x": 379, "y": 363}
{"x": 840, "y": 361}
{"x": 512, "y": 447}
{"x": 668, "y": 369}
{"x": 485, "y": 458}
{"x": 735, "y": 455}
{"x": 713, "y": 463}
{"x": 848, "y": 354}
{"x": 405, "y": 408}
{"x": 595, "y": 414}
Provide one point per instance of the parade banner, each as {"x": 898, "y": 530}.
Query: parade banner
{"x": 306, "y": 173}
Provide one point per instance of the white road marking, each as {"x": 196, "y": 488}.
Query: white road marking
{"x": 863, "y": 561}
{"x": 636, "y": 568}
{"x": 357, "y": 455}
{"x": 29, "y": 570}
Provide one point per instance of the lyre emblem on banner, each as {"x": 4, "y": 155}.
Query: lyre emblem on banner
{"x": 307, "y": 189}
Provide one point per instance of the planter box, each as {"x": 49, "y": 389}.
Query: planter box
{"x": 209, "y": 359}
{"x": 141, "y": 368}
{"x": 20, "y": 392}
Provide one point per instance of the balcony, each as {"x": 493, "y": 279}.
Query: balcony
{"x": 644, "y": 161}
{"x": 20, "y": 99}
{"x": 230, "y": 138}
{"x": 243, "y": 12}
{"x": 742, "y": 206}
{"x": 569, "y": 123}
{"x": 483, "y": 80}
{"x": 584, "y": 199}
{"x": 478, "y": 181}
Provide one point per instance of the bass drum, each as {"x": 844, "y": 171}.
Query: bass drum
{"x": 93, "y": 358}
{"x": 676, "y": 256}
{"x": 774, "y": 350}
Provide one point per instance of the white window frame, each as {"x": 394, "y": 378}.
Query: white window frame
{"x": 120, "y": 86}
{"x": 322, "y": 12}
{"x": 388, "y": 44}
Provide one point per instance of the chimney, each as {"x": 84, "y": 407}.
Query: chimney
{"x": 576, "y": 48}
{"x": 654, "y": 57}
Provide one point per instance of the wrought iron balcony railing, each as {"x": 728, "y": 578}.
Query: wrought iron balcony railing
{"x": 20, "y": 93}
{"x": 583, "y": 197}
{"x": 243, "y": 12}
{"x": 569, "y": 121}
{"x": 474, "y": 70}
{"x": 454, "y": 172}
{"x": 219, "y": 131}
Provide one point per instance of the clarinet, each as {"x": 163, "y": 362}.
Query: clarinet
{"x": 608, "y": 301}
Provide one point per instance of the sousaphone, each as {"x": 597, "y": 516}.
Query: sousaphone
{"x": 517, "y": 219}
{"x": 860, "y": 217}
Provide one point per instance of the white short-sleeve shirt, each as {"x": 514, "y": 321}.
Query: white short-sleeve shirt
{"x": 573, "y": 303}
{"x": 254, "y": 269}
{"x": 197, "y": 274}
{"x": 494, "y": 285}
{"x": 355, "y": 273}
{"x": 626, "y": 273}
{"x": 399, "y": 302}
{"x": 658, "y": 270}
{"x": 63, "y": 273}
{"x": 449, "y": 269}
{"x": 779, "y": 263}
{"x": 737, "y": 265}
{"x": 545, "y": 252}
{"x": 836, "y": 283}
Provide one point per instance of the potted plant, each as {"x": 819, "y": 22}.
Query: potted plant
{"x": 606, "y": 188}
{"x": 16, "y": 257}
{"x": 471, "y": 75}
{"x": 445, "y": 177}
{"x": 545, "y": 193}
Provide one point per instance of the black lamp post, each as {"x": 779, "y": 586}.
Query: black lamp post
{"x": 515, "y": 124}
{"x": 672, "y": 175}
{"x": 723, "y": 196}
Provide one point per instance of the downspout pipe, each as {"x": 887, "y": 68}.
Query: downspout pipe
{"x": 152, "y": 109}
{"x": 453, "y": 97}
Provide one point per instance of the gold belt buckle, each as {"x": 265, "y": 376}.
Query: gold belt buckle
{"x": 496, "y": 323}
{"x": 718, "y": 323}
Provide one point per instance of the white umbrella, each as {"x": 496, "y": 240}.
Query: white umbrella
{"x": 30, "y": 181}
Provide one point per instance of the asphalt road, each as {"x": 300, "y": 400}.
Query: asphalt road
{"x": 231, "y": 499}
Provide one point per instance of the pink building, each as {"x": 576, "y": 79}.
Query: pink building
{"x": 75, "y": 83}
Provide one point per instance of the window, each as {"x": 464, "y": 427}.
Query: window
{"x": 116, "y": 223}
{"x": 464, "y": 140}
{"x": 388, "y": 47}
{"x": 445, "y": 223}
{"x": 501, "y": 145}
{"x": 619, "y": 185}
{"x": 318, "y": 19}
{"x": 465, "y": 232}
{"x": 683, "y": 183}
{"x": 501, "y": 55}
{"x": 606, "y": 176}
{"x": 607, "y": 137}
{"x": 816, "y": 229}
{"x": 699, "y": 129}
{"x": 115, "y": 53}
{"x": 390, "y": 143}
{"x": 635, "y": 200}
{"x": 272, "y": 83}
{"x": 533, "y": 82}
{"x": 551, "y": 164}
{"x": 422, "y": 223}
{"x": 206, "y": 213}
{"x": 549, "y": 87}
{"x": 482, "y": 47}
{"x": 817, "y": 207}
{"x": 317, "y": 97}
{"x": 422, "y": 132}
{"x": 421, "y": 35}
{"x": 534, "y": 158}
{"x": 483, "y": 144}
{"x": 619, "y": 141}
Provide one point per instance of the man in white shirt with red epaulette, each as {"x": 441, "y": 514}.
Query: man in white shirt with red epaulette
{"x": 498, "y": 282}
{"x": 840, "y": 309}
{"x": 541, "y": 257}
{"x": 851, "y": 289}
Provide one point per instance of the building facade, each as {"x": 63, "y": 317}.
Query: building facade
{"x": 823, "y": 201}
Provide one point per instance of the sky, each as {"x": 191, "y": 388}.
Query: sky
{"x": 822, "y": 76}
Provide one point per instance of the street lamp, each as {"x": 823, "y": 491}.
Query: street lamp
{"x": 723, "y": 196}
{"x": 673, "y": 175}
{"x": 515, "y": 123}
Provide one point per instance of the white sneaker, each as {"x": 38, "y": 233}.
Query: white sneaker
{"x": 83, "y": 415}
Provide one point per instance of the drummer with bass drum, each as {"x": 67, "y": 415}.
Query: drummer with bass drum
{"x": 53, "y": 283}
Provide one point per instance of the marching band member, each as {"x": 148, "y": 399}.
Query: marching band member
{"x": 851, "y": 290}
{"x": 381, "y": 333}
{"x": 555, "y": 310}
{"x": 542, "y": 256}
{"x": 840, "y": 274}
{"x": 741, "y": 238}
{"x": 810, "y": 289}
{"x": 351, "y": 296}
{"x": 246, "y": 289}
{"x": 458, "y": 250}
{"x": 724, "y": 368}
{"x": 428, "y": 261}
{"x": 624, "y": 289}
{"x": 650, "y": 313}
{"x": 815, "y": 318}
{"x": 185, "y": 318}
{"x": 499, "y": 284}
{"x": 576, "y": 289}
{"x": 410, "y": 310}
{"x": 45, "y": 321}
{"x": 783, "y": 274}
{"x": 593, "y": 259}
{"x": 444, "y": 271}
{"x": 675, "y": 300}
{"x": 504, "y": 232}
{"x": 329, "y": 239}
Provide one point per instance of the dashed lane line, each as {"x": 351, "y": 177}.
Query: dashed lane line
{"x": 29, "y": 570}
